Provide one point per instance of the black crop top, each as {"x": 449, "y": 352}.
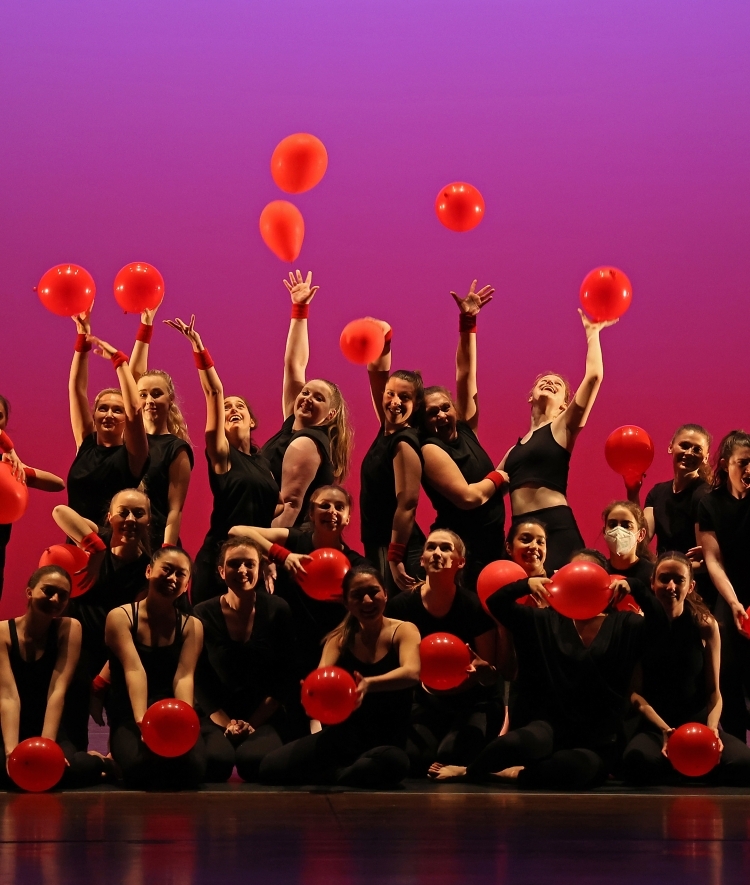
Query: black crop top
{"x": 541, "y": 460}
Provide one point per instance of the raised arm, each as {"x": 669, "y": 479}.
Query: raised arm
{"x": 179, "y": 481}
{"x": 407, "y": 470}
{"x": 10, "y": 702}
{"x": 467, "y": 397}
{"x": 139, "y": 354}
{"x": 119, "y": 640}
{"x": 184, "y": 678}
{"x": 84, "y": 533}
{"x": 297, "y": 351}
{"x": 69, "y": 650}
{"x": 443, "y": 473}
{"x": 379, "y": 371}
{"x": 78, "y": 382}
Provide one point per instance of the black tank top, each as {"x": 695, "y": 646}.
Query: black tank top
{"x": 32, "y": 680}
{"x": 541, "y": 460}
{"x": 245, "y": 495}
{"x": 163, "y": 449}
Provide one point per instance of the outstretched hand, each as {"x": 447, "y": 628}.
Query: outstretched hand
{"x": 294, "y": 563}
{"x": 101, "y": 348}
{"x": 147, "y": 316}
{"x": 302, "y": 291}
{"x": 474, "y": 301}
{"x": 403, "y": 581}
{"x": 186, "y": 329}
{"x": 538, "y": 589}
{"x": 592, "y": 328}
{"x": 83, "y": 322}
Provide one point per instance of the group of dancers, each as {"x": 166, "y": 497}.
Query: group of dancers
{"x": 547, "y": 701}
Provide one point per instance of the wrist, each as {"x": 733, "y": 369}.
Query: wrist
{"x": 278, "y": 554}
{"x": 119, "y": 359}
{"x": 144, "y": 333}
{"x": 496, "y": 478}
{"x": 92, "y": 544}
{"x": 396, "y": 552}
{"x": 30, "y": 472}
{"x": 203, "y": 359}
{"x": 467, "y": 322}
{"x": 82, "y": 345}
{"x": 300, "y": 311}
{"x": 6, "y": 443}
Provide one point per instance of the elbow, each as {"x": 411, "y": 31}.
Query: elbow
{"x": 408, "y": 503}
{"x": 470, "y": 500}
{"x": 292, "y": 500}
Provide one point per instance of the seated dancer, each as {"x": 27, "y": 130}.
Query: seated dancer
{"x": 154, "y": 649}
{"x": 451, "y": 727}
{"x": 538, "y": 465}
{"x": 677, "y": 681}
{"x": 367, "y": 749}
{"x": 625, "y": 532}
{"x": 459, "y": 478}
{"x": 246, "y": 671}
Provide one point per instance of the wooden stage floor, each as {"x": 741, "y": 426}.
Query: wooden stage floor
{"x": 424, "y": 835}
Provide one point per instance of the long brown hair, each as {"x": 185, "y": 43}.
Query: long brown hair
{"x": 733, "y": 440}
{"x": 176, "y": 423}
{"x": 341, "y": 433}
{"x": 698, "y": 609}
{"x": 349, "y": 627}
{"x": 642, "y": 550}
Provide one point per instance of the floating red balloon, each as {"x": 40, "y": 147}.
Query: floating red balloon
{"x": 299, "y": 162}
{"x": 445, "y": 660}
{"x": 138, "y": 287}
{"x": 693, "y": 749}
{"x": 170, "y": 728}
{"x": 283, "y": 229}
{"x": 496, "y": 575}
{"x": 36, "y": 764}
{"x": 629, "y": 451}
{"x": 580, "y": 590}
{"x": 606, "y": 293}
{"x": 324, "y": 574}
{"x": 70, "y": 558}
{"x": 14, "y": 495}
{"x": 67, "y": 290}
{"x": 329, "y": 694}
{"x": 362, "y": 341}
{"x": 459, "y": 206}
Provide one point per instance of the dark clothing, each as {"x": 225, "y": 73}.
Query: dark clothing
{"x": 675, "y": 514}
{"x": 563, "y": 535}
{"x": 466, "y": 618}
{"x": 163, "y": 449}
{"x": 729, "y": 518}
{"x": 4, "y": 541}
{"x": 32, "y": 680}
{"x": 541, "y": 460}
{"x": 246, "y": 754}
{"x": 275, "y": 449}
{"x": 641, "y": 570}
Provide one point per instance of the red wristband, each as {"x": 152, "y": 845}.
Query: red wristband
{"x": 165, "y": 546}
{"x": 396, "y": 552}
{"x": 467, "y": 323}
{"x": 300, "y": 311}
{"x": 495, "y": 478}
{"x": 99, "y": 686}
{"x": 6, "y": 443}
{"x": 119, "y": 358}
{"x": 278, "y": 554}
{"x": 202, "y": 359}
{"x": 388, "y": 335}
{"x": 144, "y": 333}
{"x": 92, "y": 543}
{"x": 82, "y": 345}
{"x": 30, "y": 472}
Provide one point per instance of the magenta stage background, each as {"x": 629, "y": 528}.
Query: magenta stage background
{"x": 598, "y": 133}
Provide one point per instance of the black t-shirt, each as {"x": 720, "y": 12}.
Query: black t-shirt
{"x": 275, "y": 449}
{"x": 247, "y": 494}
{"x": 483, "y": 528}
{"x": 163, "y": 449}
{"x": 641, "y": 570}
{"x": 729, "y": 518}
{"x": 466, "y": 618}
{"x": 675, "y": 514}
{"x": 377, "y": 498}
{"x": 96, "y": 475}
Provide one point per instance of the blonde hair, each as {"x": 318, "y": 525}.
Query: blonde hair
{"x": 340, "y": 432}
{"x": 176, "y": 424}
{"x": 106, "y": 392}
{"x": 564, "y": 380}
{"x": 457, "y": 541}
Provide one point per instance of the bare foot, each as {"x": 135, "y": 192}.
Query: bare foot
{"x": 508, "y": 774}
{"x": 440, "y": 772}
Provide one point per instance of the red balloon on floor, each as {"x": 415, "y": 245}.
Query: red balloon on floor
{"x": 693, "y": 749}
{"x": 362, "y": 341}
{"x": 36, "y": 764}
{"x": 14, "y": 495}
{"x": 138, "y": 287}
{"x": 283, "y": 229}
{"x": 299, "y": 162}
{"x": 70, "y": 558}
{"x": 444, "y": 661}
{"x": 496, "y": 575}
{"x": 459, "y": 206}
{"x": 629, "y": 451}
{"x": 67, "y": 290}
{"x": 170, "y": 728}
{"x": 580, "y": 590}
{"x": 325, "y": 573}
{"x": 329, "y": 694}
{"x": 606, "y": 293}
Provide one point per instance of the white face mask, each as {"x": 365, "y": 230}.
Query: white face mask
{"x": 620, "y": 540}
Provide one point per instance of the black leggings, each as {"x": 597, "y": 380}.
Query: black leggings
{"x": 563, "y": 535}
{"x": 222, "y": 755}
{"x": 144, "y": 770}
{"x": 644, "y": 764}
{"x": 324, "y": 758}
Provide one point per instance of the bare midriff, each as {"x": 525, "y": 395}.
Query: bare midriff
{"x": 535, "y": 497}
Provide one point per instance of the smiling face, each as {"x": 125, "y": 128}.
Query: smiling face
{"x": 738, "y": 470}
{"x": 671, "y": 583}
{"x": 129, "y": 517}
{"x": 330, "y": 510}
{"x": 313, "y": 405}
{"x": 238, "y": 422}
{"x": 170, "y": 574}
{"x": 550, "y": 394}
{"x": 109, "y": 415}
{"x": 440, "y": 415}
{"x": 240, "y": 569}
{"x": 156, "y": 400}
{"x": 50, "y": 595}
{"x": 689, "y": 450}
{"x": 398, "y": 402}
{"x": 528, "y": 547}
{"x": 366, "y": 598}
{"x": 441, "y": 554}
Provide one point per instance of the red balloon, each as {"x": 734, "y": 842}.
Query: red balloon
{"x": 496, "y": 575}
{"x": 693, "y": 749}
{"x": 580, "y": 590}
{"x": 139, "y": 287}
{"x": 746, "y": 623}
{"x": 627, "y": 603}
{"x": 283, "y": 229}
{"x": 329, "y": 694}
{"x": 36, "y": 764}
{"x": 14, "y": 495}
{"x": 362, "y": 341}
{"x": 67, "y": 290}
{"x": 444, "y": 661}
{"x": 325, "y": 572}
{"x": 606, "y": 293}
{"x": 528, "y": 600}
{"x": 170, "y": 728}
{"x": 70, "y": 558}
{"x": 629, "y": 452}
{"x": 459, "y": 206}
{"x": 299, "y": 162}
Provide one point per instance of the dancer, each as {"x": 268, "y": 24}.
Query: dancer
{"x": 244, "y": 491}
{"x": 459, "y": 478}
{"x": 313, "y": 447}
{"x": 538, "y": 465}
{"x": 625, "y": 532}
{"x": 367, "y": 749}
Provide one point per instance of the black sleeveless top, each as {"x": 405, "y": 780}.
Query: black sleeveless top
{"x": 675, "y": 514}
{"x": 483, "y": 528}
{"x": 32, "y": 680}
{"x": 245, "y": 495}
{"x": 540, "y": 460}
{"x": 163, "y": 449}
{"x": 275, "y": 449}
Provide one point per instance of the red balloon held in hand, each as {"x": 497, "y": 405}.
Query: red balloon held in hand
{"x": 138, "y": 287}
{"x": 36, "y": 764}
{"x": 496, "y": 575}
{"x": 580, "y": 590}
{"x": 14, "y": 495}
{"x": 693, "y": 749}
{"x": 606, "y": 294}
{"x": 445, "y": 660}
{"x": 324, "y": 574}
{"x": 629, "y": 451}
{"x": 67, "y": 290}
{"x": 329, "y": 694}
{"x": 459, "y": 206}
{"x": 746, "y": 623}
{"x": 283, "y": 229}
{"x": 362, "y": 341}
{"x": 627, "y": 603}
{"x": 299, "y": 162}
{"x": 70, "y": 558}
{"x": 170, "y": 728}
